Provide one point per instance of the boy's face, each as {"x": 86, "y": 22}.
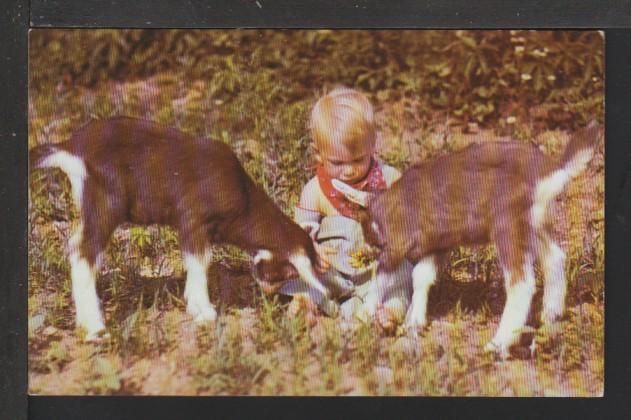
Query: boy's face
{"x": 347, "y": 165}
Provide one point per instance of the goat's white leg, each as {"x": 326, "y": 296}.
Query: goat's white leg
{"x": 423, "y": 277}
{"x": 83, "y": 275}
{"x": 196, "y": 290}
{"x": 555, "y": 285}
{"x": 82, "y": 272}
{"x": 519, "y": 292}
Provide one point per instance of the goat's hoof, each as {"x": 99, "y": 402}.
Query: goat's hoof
{"x": 206, "y": 316}
{"x": 415, "y": 327}
{"x": 533, "y": 348}
{"x": 202, "y": 314}
{"x": 415, "y": 323}
{"x": 551, "y": 317}
{"x": 91, "y": 330}
{"x": 97, "y": 337}
{"x": 500, "y": 350}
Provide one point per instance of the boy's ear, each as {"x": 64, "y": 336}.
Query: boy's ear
{"x": 316, "y": 152}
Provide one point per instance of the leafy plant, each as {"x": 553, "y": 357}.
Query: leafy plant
{"x": 475, "y": 76}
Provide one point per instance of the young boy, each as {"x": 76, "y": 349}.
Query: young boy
{"x": 343, "y": 131}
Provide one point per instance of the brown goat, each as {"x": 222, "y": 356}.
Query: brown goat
{"x": 496, "y": 192}
{"x": 129, "y": 170}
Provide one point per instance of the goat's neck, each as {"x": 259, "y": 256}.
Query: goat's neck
{"x": 261, "y": 225}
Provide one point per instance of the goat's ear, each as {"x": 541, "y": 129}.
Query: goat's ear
{"x": 371, "y": 231}
{"x": 356, "y": 196}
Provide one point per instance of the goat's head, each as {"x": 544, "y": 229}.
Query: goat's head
{"x": 272, "y": 268}
{"x": 370, "y": 224}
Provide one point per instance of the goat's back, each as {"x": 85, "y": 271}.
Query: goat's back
{"x": 460, "y": 198}
{"x": 151, "y": 173}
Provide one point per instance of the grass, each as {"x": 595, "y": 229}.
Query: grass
{"x": 254, "y": 349}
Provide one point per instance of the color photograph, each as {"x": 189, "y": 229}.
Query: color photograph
{"x": 316, "y": 212}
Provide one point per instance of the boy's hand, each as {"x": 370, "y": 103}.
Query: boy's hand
{"x": 323, "y": 252}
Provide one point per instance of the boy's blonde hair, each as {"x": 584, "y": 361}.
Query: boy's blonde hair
{"x": 343, "y": 116}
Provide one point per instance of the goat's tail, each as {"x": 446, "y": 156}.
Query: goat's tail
{"x": 576, "y": 156}
{"x": 579, "y": 150}
{"x": 56, "y": 156}
{"x": 37, "y": 156}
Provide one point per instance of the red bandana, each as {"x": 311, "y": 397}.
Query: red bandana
{"x": 374, "y": 181}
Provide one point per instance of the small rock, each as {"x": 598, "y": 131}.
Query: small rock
{"x": 36, "y": 322}
{"x": 384, "y": 374}
{"x": 384, "y": 377}
{"x": 50, "y": 330}
{"x": 248, "y": 148}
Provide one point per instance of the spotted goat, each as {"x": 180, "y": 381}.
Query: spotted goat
{"x": 125, "y": 170}
{"x": 499, "y": 192}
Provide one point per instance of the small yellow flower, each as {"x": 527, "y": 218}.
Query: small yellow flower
{"x": 552, "y": 78}
{"x": 519, "y": 49}
{"x": 525, "y": 77}
{"x": 362, "y": 258}
{"x": 511, "y": 120}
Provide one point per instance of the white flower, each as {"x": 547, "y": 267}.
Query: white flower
{"x": 525, "y": 76}
{"x": 511, "y": 120}
{"x": 594, "y": 79}
{"x": 519, "y": 49}
{"x": 539, "y": 53}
